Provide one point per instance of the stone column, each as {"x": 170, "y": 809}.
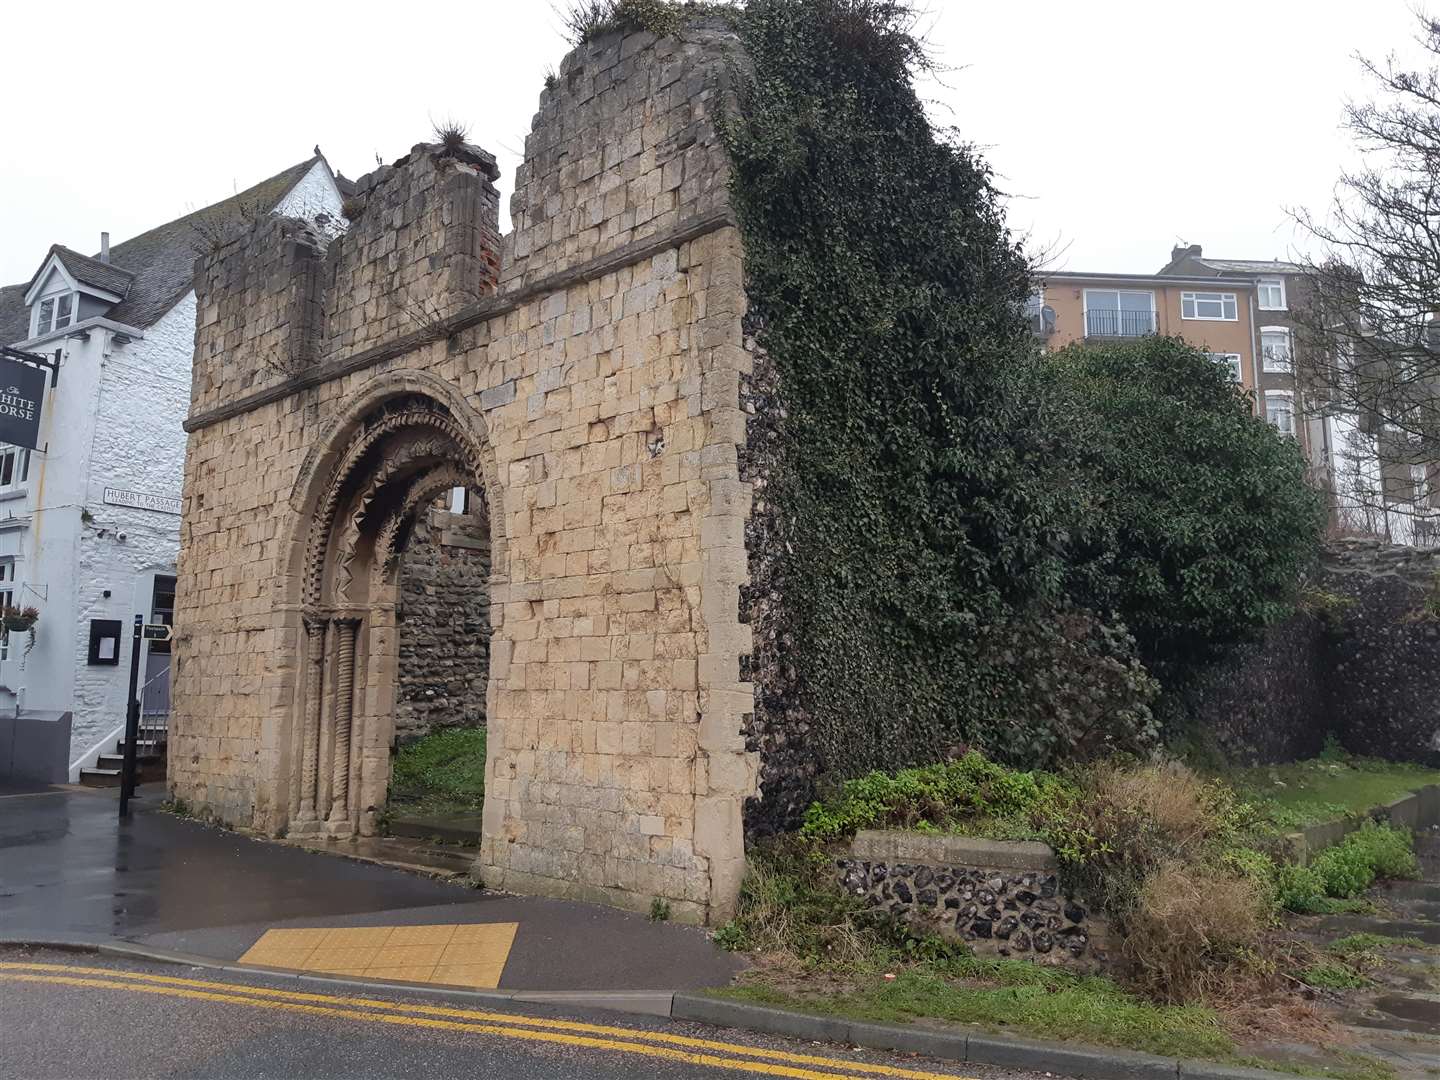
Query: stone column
{"x": 315, "y": 631}
{"x": 339, "y": 823}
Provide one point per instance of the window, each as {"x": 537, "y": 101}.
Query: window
{"x": 1208, "y": 305}
{"x": 1116, "y": 313}
{"x": 53, "y": 313}
{"x": 1280, "y": 411}
{"x": 1231, "y": 360}
{"x": 1271, "y": 294}
{"x": 7, "y": 599}
{"x": 1275, "y": 348}
{"x": 14, "y": 467}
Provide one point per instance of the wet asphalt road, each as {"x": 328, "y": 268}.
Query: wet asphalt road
{"x": 67, "y": 867}
{"x": 117, "y": 1025}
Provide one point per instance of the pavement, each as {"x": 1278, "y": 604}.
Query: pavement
{"x": 160, "y": 888}
{"x": 69, "y": 868}
{"x": 173, "y": 1021}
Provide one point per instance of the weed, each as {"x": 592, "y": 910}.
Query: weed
{"x": 451, "y": 135}
{"x": 965, "y": 790}
{"x": 731, "y": 937}
{"x": 659, "y": 910}
{"x": 1193, "y": 930}
{"x": 1330, "y": 976}
{"x": 1341, "y": 872}
{"x": 351, "y": 207}
{"x": 177, "y": 806}
{"x": 1373, "y": 851}
{"x": 1362, "y": 944}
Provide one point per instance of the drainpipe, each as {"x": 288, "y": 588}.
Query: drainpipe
{"x": 1255, "y": 357}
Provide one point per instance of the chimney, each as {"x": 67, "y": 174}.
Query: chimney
{"x": 105, "y": 247}
{"x": 1191, "y": 252}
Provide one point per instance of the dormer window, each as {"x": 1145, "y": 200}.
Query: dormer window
{"x": 53, "y": 313}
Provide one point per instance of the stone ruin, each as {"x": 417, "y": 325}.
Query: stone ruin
{"x": 580, "y": 379}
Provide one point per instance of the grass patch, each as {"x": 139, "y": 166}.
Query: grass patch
{"x": 442, "y": 773}
{"x": 1322, "y": 789}
{"x": 1358, "y": 944}
{"x": 1088, "y": 1009}
{"x": 1330, "y": 976}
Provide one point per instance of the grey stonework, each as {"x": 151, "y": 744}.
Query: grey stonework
{"x": 997, "y": 912}
{"x": 1361, "y": 663}
{"x": 444, "y": 625}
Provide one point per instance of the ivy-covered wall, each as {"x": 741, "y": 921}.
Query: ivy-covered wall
{"x": 1360, "y": 663}
{"x": 906, "y": 546}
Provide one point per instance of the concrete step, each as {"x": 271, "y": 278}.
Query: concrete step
{"x": 100, "y": 778}
{"x": 1418, "y": 1013}
{"x": 1409, "y": 890}
{"x": 115, "y": 761}
{"x": 460, "y": 829}
{"x": 1340, "y": 925}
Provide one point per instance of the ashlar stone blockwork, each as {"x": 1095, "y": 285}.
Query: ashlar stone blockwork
{"x": 582, "y": 378}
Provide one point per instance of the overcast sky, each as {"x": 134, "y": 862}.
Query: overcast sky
{"x": 1119, "y": 127}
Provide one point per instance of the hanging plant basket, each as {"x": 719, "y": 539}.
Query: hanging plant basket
{"x": 19, "y": 618}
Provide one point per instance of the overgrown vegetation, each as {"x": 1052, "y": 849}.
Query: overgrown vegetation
{"x": 585, "y": 20}
{"x": 1200, "y": 523}
{"x": 1345, "y": 870}
{"x": 1181, "y": 866}
{"x": 442, "y": 773}
{"x": 975, "y": 529}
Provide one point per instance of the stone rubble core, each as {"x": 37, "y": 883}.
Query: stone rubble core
{"x": 581, "y": 378}
{"x": 1000, "y": 898}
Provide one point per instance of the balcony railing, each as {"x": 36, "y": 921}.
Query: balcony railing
{"x": 1104, "y": 322}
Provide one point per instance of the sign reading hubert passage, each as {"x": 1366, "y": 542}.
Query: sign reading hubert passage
{"x": 138, "y": 499}
{"x": 22, "y": 392}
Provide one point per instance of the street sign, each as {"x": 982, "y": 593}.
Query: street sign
{"x": 156, "y": 632}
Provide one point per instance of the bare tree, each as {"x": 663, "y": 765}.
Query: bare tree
{"x": 1369, "y": 328}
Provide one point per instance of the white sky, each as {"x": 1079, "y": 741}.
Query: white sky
{"x": 1121, "y": 126}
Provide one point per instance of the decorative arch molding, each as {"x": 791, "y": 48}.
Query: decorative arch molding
{"x": 398, "y": 442}
{"x": 424, "y": 489}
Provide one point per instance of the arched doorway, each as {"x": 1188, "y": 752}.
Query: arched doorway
{"x": 400, "y": 449}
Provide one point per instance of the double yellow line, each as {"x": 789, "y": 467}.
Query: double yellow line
{"x": 652, "y": 1044}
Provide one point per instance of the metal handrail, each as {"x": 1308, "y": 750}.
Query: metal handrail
{"x": 1109, "y": 322}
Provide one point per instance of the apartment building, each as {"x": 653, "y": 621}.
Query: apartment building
{"x": 1376, "y": 487}
{"x": 1214, "y": 314}
{"x": 1279, "y": 288}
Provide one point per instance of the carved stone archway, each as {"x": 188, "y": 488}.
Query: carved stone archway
{"x": 402, "y": 443}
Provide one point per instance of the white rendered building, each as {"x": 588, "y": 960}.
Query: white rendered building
{"x": 90, "y": 520}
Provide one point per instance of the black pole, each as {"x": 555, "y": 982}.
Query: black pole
{"x": 132, "y": 723}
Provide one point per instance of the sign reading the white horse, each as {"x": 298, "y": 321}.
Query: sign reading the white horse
{"x": 22, "y": 394}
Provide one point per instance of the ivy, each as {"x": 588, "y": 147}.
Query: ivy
{"x": 917, "y": 520}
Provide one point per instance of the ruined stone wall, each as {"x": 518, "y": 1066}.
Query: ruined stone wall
{"x": 444, "y": 625}
{"x": 1360, "y": 662}
{"x": 601, "y": 381}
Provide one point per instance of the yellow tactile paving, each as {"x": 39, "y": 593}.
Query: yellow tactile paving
{"x": 470, "y": 954}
